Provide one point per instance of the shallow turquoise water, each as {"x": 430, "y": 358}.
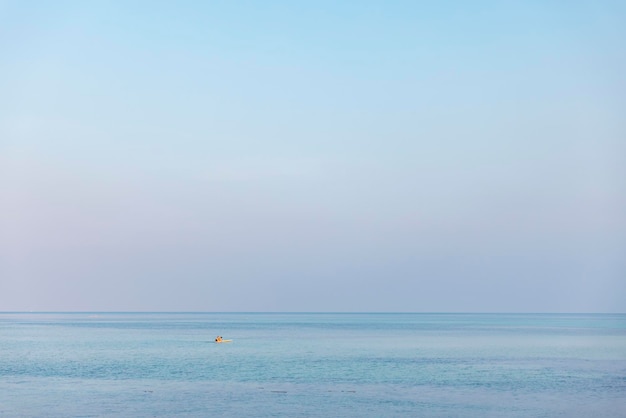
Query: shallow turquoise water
{"x": 358, "y": 365}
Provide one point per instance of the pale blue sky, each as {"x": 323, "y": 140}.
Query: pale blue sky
{"x": 313, "y": 156}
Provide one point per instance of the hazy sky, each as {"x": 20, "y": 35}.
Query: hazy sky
{"x": 313, "y": 156}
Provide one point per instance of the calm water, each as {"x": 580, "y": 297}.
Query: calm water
{"x": 310, "y": 365}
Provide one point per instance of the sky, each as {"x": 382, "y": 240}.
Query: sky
{"x": 355, "y": 156}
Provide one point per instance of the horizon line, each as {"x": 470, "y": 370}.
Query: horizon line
{"x": 320, "y": 312}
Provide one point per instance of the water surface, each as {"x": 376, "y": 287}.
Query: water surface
{"x": 357, "y": 365}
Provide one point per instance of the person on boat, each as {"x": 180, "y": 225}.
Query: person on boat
{"x": 218, "y": 339}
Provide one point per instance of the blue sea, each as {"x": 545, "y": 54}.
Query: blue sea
{"x": 312, "y": 365}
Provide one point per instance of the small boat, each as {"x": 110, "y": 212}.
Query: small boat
{"x": 223, "y": 341}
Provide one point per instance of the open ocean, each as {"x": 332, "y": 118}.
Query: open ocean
{"x": 312, "y": 365}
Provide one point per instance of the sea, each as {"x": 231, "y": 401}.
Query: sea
{"x": 312, "y": 365}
